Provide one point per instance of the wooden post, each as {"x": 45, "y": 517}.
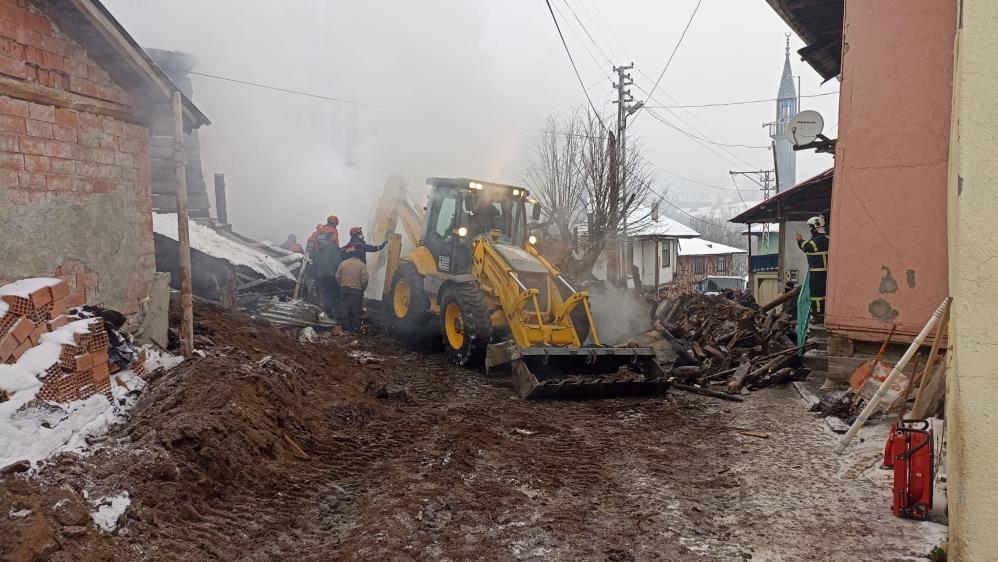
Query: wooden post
{"x": 231, "y": 299}
{"x": 221, "y": 204}
{"x": 183, "y": 232}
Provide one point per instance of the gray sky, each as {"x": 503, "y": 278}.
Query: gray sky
{"x": 458, "y": 87}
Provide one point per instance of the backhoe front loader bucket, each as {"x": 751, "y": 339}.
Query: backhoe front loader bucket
{"x": 580, "y": 372}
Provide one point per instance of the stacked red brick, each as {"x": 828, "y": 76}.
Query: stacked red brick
{"x": 37, "y": 306}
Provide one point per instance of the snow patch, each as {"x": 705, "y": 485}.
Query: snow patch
{"x": 308, "y": 335}
{"x": 19, "y": 514}
{"x": 156, "y": 359}
{"x": 38, "y": 431}
{"x": 25, "y": 287}
{"x": 208, "y": 241}
{"x": 109, "y": 510}
{"x": 4, "y": 307}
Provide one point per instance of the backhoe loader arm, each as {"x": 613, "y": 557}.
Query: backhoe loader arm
{"x": 395, "y": 206}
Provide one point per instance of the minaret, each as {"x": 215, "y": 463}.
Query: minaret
{"x": 786, "y": 109}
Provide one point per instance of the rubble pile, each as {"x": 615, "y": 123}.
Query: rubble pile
{"x": 725, "y": 341}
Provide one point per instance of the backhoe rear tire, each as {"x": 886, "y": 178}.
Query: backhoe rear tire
{"x": 407, "y": 311}
{"x": 465, "y": 324}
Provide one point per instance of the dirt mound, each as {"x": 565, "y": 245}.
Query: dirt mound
{"x": 210, "y": 437}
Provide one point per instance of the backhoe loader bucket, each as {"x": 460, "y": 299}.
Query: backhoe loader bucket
{"x": 580, "y": 372}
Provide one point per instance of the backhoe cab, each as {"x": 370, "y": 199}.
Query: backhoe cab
{"x": 476, "y": 281}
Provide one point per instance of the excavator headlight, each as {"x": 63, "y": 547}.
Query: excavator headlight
{"x": 516, "y": 193}
{"x": 532, "y": 239}
{"x": 463, "y": 231}
{"x": 474, "y": 185}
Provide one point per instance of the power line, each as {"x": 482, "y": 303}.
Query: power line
{"x": 274, "y": 88}
{"x": 574, "y": 67}
{"x": 676, "y": 48}
{"x": 710, "y": 185}
{"x": 746, "y": 102}
{"x": 701, "y": 139}
{"x": 586, "y": 31}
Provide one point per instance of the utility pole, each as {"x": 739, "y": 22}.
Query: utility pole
{"x": 618, "y": 196}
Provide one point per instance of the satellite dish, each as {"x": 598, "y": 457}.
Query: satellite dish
{"x": 805, "y": 127}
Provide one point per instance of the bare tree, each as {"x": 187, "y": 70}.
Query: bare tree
{"x": 576, "y": 175}
{"x": 552, "y": 175}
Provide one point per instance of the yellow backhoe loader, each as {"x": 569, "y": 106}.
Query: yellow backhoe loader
{"x": 475, "y": 281}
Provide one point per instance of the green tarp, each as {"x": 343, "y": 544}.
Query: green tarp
{"x": 803, "y": 310}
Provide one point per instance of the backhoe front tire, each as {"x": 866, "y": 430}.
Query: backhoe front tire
{"x": 408, "y": 308}
{"x": 465, "y": 324}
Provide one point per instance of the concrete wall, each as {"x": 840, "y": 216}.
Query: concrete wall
{"x": 972, "y": 386}
{"x": 74, "y": 185}
{"x": 888, "y": 260}
{"x": 793, "y": 258}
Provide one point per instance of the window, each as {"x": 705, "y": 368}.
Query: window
{"x": 445, "y": 217}
{"x": 722, "y": 264}
{"x": 698, "y": 265}
{"x": 666, "y": 254}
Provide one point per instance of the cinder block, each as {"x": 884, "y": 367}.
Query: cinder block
{"x": 57, "y": 308}
{"x": 83, "y": 362}
{"x": 21, "y": 349}
{"x": 41, "y": 297}
{"x": 101, "y": 372}
{"x": 18, "y": 305}
{"x": 22, "y": 329}
{"x": 75, "y": 299}
{"x": 58, "y": 322}
{"x": 100, "y": 357}
{"x": 36, "y": 333}
{"x": 7, "y": 346}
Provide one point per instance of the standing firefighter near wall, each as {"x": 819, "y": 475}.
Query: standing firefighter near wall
{"x": 324, "y": 248}
{"x": 816, "y": 249}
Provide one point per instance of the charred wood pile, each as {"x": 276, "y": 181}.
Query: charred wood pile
{"x": 725, "y": 343}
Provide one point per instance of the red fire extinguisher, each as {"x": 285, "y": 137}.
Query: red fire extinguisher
{"x": 910, "y": 452}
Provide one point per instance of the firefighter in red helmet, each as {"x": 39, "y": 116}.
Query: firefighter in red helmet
{"x": 324, "y": 250}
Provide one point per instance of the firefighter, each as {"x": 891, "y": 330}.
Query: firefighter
{"x": 359, "y": 246}
{"x": 324, "y": 247}
{"x": 816, "y": 249}
{"x": 352, "y": 279}
{"x": 292, "y": 245}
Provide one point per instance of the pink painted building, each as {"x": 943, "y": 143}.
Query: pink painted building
{"x": 888, "y": 255}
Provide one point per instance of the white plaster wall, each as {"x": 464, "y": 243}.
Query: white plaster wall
{"x": 972, "y": 382}
{"x": 793, "y": 257}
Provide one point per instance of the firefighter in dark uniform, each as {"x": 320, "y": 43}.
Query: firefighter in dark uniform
{"x": 816, "y": 249}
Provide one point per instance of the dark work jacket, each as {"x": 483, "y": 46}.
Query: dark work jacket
{"x": 327, "y": 255}
{"x": 359, "y": 247}
{"x": 817, "y": 252}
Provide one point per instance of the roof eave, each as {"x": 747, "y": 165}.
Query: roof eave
{"x": 118, "y": 39}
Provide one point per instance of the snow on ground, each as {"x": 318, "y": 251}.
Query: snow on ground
{"x": 109, "y": 510}
{"x": 206, "y": 240}
{"x": 4, "y": 307}
{"x": 32, "y": 430}
{"x": 156, "y": 359}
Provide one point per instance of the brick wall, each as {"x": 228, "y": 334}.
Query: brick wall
{"x": 77, "y": 184}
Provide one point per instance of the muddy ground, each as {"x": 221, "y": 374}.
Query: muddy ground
{"x": 269, "y": 449}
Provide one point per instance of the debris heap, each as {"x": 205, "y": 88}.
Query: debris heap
{"x": 725, "y": 341}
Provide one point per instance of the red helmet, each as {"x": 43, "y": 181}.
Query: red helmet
{"x": 356, "y": 231}
{"x": 333, "y": 220}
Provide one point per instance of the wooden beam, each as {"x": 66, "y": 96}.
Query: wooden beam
{"x": 45, "y": 95}
{"x": 183, "y": 231}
